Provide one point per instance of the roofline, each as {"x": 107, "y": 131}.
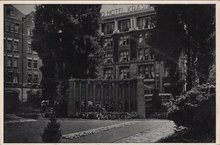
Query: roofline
{"x": 126, "y": 14}
{"x": 16, "y": 9}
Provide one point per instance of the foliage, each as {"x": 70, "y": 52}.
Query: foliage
{"x": 11, "y": 101}
{"x": 156, "y": 100}
{"x": 64, "y": 36}
{"x": 195, "y": 110}
{"x": 26, "y": 110}
{"x": 34, "y": 99}
{"x": 52, "y": 132}
{"x": 178, "y": 34}
{"x": 107, "y": 115}
{"x": 212, "y": 75}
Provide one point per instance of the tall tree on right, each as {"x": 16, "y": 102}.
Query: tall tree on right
{"x": 189, "y": 31}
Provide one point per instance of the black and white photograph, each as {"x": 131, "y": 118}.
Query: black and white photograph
{"x": 109, "y": 72}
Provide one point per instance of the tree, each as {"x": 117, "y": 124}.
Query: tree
{"x": 52, "y": 132}
{"x": 185, "y": 30}
{"x": 67, "y": 40}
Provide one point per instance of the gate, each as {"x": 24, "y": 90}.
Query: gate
{"x": 89, "y": 95}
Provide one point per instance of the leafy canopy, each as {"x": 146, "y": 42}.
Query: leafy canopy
{"x": 67, "y": 40}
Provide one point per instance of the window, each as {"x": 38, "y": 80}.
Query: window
{"x": 124, "y": 41}
{"x": 12, "y": 28}
{"x": 16, "y": 78}
{"x": 109, "y": 58}
{"x": 166, "y": 72}
{"x": 7, "y": 27}
{"x": 124, "y": 25}
{"x": 146, "y": 54}
{"x": 35, "y": 78}
{"x": 124, "y": 56}
{"x": 124, "y": 73}
{"x": 151, "y": 55}
{"x": 141, "y": 54}
{"x": 146, "y": 71}
{"x": 9, "y": 76}
{"x": 108, "y": 43}
{"x": 29, "y": 32}
{"x": 145, "y": 23}
{"x": 109, "y": 74}
{"x": 15, "y": 45}
{"x": 10, "y": 12}
{"x": 108, "y": 28}
{"x": 152, "y": 73}
{"x": 5, "y": 45}
{"x": 29, "y": 78}
{"x": 29, "y": 63}
{"x": 9, "y": 45}
{"x": 35, "y": 63}
{"x": 9, "y": 61}
{"x": 15, "y": 63}
{"x": 29, "y": 50}
{"x": 141, "y": 71}
{"x": 140, "y": 41}
{"x": 16, "y": 28}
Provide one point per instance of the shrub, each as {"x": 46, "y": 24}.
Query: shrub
{"x": 27, "y": 111}
{"x": 34, "y": 99}
{"x": 107, "y": 115}
{"x": 52, "y": 132}
{"x": 156, "y": 100}
{"x": 195, "y": 110}
{"x": 11, "y": 101}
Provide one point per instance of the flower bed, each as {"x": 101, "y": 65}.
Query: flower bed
{"x": 107, "y": 115}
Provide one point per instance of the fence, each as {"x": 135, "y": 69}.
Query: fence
{"x": 114, "y": 95}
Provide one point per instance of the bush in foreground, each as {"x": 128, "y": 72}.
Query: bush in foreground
{"x": 52, "y": 132}
{"x": 196, "y": 110}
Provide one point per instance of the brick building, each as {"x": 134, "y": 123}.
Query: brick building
{"x": 21, "y": 63}
{"x": 127, "y": 53}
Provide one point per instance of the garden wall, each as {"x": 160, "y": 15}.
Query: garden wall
{"x": 92, "y": 95}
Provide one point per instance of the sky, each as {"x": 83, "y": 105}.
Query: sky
{"x": 26, "y": 9}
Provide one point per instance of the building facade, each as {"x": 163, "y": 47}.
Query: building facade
{"x": 21, "y": 63}
{"x": 127, "y": 53}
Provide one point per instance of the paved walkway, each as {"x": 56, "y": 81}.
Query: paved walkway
{"x": 150, "y": 136}
{"x": 11, "y": 118}
{"x": 141, "y": 131}
{"x": 92, "y": 131}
